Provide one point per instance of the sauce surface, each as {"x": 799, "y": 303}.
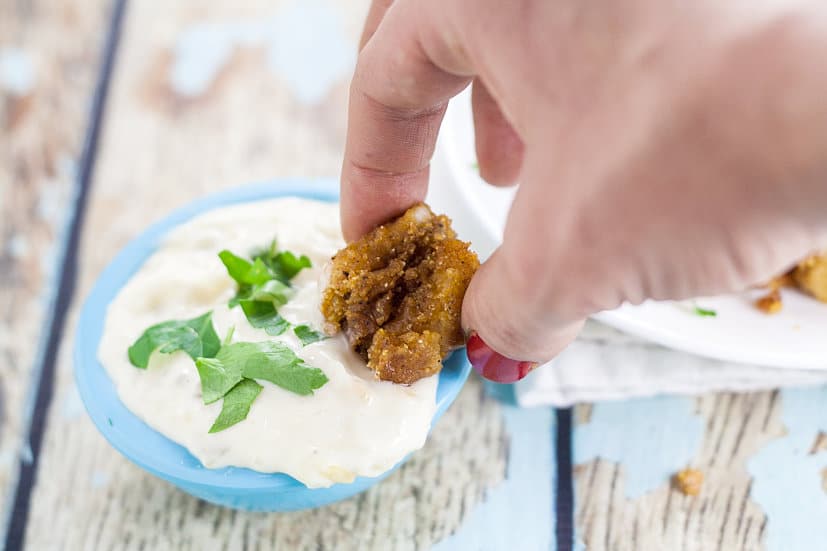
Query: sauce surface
{"x": 355, "y": 425}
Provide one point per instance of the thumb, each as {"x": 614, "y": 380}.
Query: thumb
{"x": 510, "y": 333}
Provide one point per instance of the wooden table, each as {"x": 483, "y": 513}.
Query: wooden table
{"x": 112, "y": 115}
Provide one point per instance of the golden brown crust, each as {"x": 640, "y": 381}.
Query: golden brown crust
{"x": 397, "y": 294}
{"x": 689, "y": 481}
{"x": 770, "y": 303}
{"x": 810, "y": 276}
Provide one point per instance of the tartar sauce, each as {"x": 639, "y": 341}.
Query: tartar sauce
{"x": 352, "y": 426}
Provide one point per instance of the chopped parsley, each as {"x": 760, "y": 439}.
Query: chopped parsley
{"x": 284, "y": 265}
{"x": 236, "y": 404}
{"x": 228, "y": 370}
{"x": 246, "y": 361}
{"x": 244, "y": 272}
{"x": 264, "y": 284}
{"x": 308, "y": 335}
{"x": 703, "y": 312}
{"x": 263, "y": 315}
{"x": 196, "y": 337}
{"x": 275, "y": 362}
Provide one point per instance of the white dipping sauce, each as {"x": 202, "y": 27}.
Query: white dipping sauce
{"x": 352, "y": 426}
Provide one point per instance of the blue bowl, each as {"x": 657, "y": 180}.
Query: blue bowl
{"x": 232, "y": 487}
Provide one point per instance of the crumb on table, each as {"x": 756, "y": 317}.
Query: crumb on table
{"x": 689, "y": 481}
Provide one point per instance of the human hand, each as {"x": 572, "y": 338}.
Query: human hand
{"x": 664, "y": 150}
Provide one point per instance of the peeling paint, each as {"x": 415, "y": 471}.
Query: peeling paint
{"x": 17, "y": 247}
{"x": 100, "y": 479}
{"x": 306, "y": 48}
{"x": 788, "y": 478}
{"x": 522, "y": 503}
{"x": 71, "y": 406}
{"x": 17, "y": 74}
{"x": 649, "y": 438}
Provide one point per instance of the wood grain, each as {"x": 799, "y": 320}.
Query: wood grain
{"x": 163, "y": 145}
{"x": 43, "y": 112}
{"x": 159, "y": 151}
{"x": 722, "y": 517}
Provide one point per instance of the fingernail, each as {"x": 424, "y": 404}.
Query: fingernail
{"x": 493, "y": 365}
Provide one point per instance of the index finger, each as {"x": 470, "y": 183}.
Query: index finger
{"x": 404, "y": 77}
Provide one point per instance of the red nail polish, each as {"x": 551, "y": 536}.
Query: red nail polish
{"x": 493, "y": 365}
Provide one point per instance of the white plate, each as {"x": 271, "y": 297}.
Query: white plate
{"x": 794, "y": 338}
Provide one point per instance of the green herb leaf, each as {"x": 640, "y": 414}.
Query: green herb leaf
{"x": 236, "y": 404}
{"x": 274, "y": 362}
{"x": 217, "y": 377}
{"x": 263, "y": 315}
{"x": 228, "y": 338}
{"x": 308, "y": 335}
{"x": 196, "y": 337}
{"x": 704, "y": 312}
{"x": 243, "y": 271}
{"x": 284, "y": 265}
{"x": 272, "y": 291}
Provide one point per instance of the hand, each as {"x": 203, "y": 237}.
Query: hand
{"x": 665, "y": 150}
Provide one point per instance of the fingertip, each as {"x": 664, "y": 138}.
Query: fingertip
{"x": 513, "y": 321}
{"x": 493, "y": 365}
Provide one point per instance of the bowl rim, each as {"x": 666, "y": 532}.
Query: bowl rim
{"x": 144, "y": 445}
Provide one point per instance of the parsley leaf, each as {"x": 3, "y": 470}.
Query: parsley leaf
{"x": 284, "y": 265}
{"x": 263, "y": 315}
{"x": 273, "y": 291}
{"x": 217, "y": 377}
{"x": 236, "y": 404}
{"x": 228, "y": 338}
{"x": 308, "y": 335}
{"x": 704, "y": 312}
{"x": 269, "y": 360}
{"x": 280, "y": 365}
{"x": 196, "y": 337}
{"x": 243, "y": 271}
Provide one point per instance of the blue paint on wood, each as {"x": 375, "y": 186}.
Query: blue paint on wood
{"x": 71, "y": 406}
{"x": 17, "y": 75}
{"x": 309, "y": 49}
{"x": 787, "y": 478}
{"x": 650, "y": 438}
{"x": 501, "y": 392}
{"x": 200, "y": 53}
{"x": 517, "y": 514}
{"x": 306, "y": 44}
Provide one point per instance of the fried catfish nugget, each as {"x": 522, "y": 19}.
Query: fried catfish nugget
{"x": 397, "y": 292}
{"x": 811, "y": 275}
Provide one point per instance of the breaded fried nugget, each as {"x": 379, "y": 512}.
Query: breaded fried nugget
{"x": 811, "y": 275}
{"x": 397, "y": 292}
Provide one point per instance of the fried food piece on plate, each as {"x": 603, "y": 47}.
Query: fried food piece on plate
{"x": 770, "y": 303}
{"x": 397, "y": 292}
{"x": 811, "y": 276}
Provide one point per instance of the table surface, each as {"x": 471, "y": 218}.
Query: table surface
{"x": 111, "y": 115}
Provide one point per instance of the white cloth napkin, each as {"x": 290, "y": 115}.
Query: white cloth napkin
{"x": 605, "y": 364}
